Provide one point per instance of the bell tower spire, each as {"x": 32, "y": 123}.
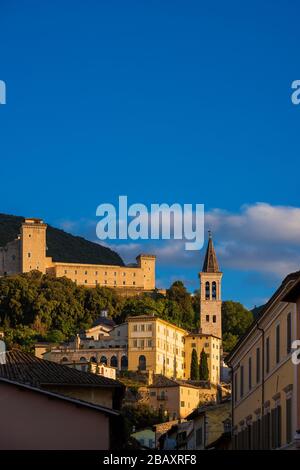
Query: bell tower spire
{"x": 210, "y": 292}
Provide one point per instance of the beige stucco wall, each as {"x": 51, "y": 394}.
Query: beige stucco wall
{"x": 85, "y": 355}
{"x": 179, "y": 400}
{"x": 97, "y": 395}
{"x": 212, "y": 347}
{"x": 278, "y": 381}
{"x": 30, "y": 420}
{"x": 160, "y": 342}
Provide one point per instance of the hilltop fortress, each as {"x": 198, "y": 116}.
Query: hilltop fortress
{"x": 29, "y": 252}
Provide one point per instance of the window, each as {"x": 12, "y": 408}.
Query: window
{"x": 207, "y": 290}
{"x": 182, "y": 404}
{"x": 29, "y": 255}
{"x": 149, "y": 327}
{"x": 134, "y": 327}
{"x": 96, "y": 272}
{"x": 114, "y": 361}
{"x": 257, "y": 365}
{"x": 268, "y": 355}
{"x": 75, "y": 271}
{"x": 124, "y": 283}
{"x": 242, "y": 381}
{"x": 250, "y": 372}
{"x": 214, "y": 318}
{"x": 288, "y": 333}
{"x": 149, "y": 343}
{"x": 124, "y": 363}
{"x": 277, "y": 343}
{"x": 288, "y": 419}
{"x": 152, "y": 394}
{"x": 207, "y": 317}
{"x": 142, "y": 363}
{"x": 214, "y": 290}
{"x": 142, "y": 327}
{"x": 85, "y": 272}
{"x": 135, "y": 343}
{"x": 193, "y": 345}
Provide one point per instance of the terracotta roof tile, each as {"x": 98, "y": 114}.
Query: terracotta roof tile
{"x": 28, "y": 369}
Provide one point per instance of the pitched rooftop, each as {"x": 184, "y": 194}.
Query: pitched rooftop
{"x": 210, "y": 264}
{"x": 27, "y": 369}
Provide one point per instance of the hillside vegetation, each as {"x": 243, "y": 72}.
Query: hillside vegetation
{"x": 62, "y": 246}
{"x": 36, "y": 307}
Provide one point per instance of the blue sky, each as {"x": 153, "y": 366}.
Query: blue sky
{"x": 164, "y": 101}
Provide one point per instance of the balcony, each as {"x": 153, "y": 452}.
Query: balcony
{"x": 162, "y": 397}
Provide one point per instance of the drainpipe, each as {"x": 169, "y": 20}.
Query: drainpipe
{"x": 262, "y": 384}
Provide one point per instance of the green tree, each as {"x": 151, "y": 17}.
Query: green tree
{"x": 236, "y": 319}
{"x": 178, "y": 293}
{"x": 194, "y": 366}
{"x": 203, "y": 366}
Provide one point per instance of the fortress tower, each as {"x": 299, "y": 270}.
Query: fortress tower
{"x": 210, "y": 293}
{"x": 33, "y": 245}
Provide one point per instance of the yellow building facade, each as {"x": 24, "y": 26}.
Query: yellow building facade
{"x": 265, "y": 381}
{"x": 212, "y": 346}
{"x": 176, "y": 398}
{"x": 156, "y": 345}
{"x": 28, "y": 252}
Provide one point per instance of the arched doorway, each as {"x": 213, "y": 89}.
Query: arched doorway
{"x": 114, "y": 361}
{"x": 103, "y": 360}
{"x": 124, "y": 363}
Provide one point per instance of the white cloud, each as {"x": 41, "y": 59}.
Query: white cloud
{"x": 259, "y": 238}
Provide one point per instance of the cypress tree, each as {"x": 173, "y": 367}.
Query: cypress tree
{"x": 203, "y": 366}
{"x": 194, "y": 366}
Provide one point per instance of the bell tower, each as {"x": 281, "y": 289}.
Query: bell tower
{"x": 210, "y": 293}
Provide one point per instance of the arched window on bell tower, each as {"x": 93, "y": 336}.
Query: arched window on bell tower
{"x": 214, "y": 290}
{"x": 207, "y": 290}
